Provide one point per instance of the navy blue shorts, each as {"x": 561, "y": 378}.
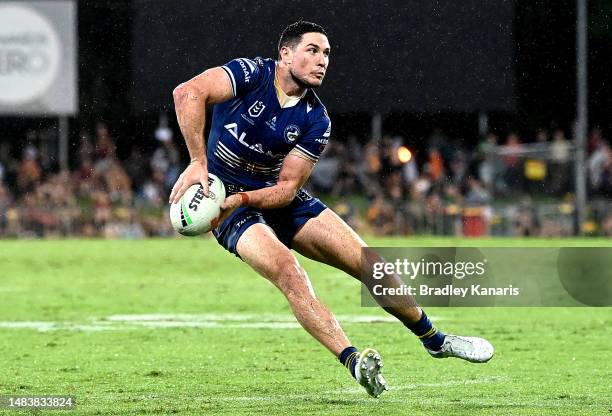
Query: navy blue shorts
{"x": 285, "y": 222}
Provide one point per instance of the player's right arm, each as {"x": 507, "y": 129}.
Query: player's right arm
{"x": 190, "y": 101}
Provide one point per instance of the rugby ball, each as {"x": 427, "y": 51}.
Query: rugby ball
{"x": 194, "y": 212}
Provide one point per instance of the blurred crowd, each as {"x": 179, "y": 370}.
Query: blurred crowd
{"x": 102, "y": 197}
{"x": 506, "y": 186}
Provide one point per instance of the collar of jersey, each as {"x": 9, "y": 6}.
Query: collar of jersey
{"x": 285, "y": 100}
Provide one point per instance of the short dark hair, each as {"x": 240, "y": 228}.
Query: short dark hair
{"x": 292, "y": 35}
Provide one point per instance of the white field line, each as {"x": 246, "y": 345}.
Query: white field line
{"x": 12, "y": 289}
{"x": 224, "y": 317}
{"x": 161, "y": 321}
{"x": 449, "y": 383}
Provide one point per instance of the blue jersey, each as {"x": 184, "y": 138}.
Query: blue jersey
{"x": 251, "y": 133}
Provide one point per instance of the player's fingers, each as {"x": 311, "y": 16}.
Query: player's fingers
{"x": 181, "y": 191}
{"x": 204, "y": 183}
{"x": 175, "y": 189}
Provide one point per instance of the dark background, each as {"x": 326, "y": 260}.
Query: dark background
{"x": 537, "y": 90}
{"x": 396, "y": 55}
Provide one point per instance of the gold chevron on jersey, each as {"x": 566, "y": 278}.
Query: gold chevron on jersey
{"x": 235, "y": 161}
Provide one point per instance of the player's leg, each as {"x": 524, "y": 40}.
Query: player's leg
{"x": 247, "y": 234}
{"x": 328, "y": 239}
{"x": 260, "y": 248}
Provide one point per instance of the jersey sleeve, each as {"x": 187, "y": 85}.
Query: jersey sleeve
{"x": 314, "y": 141}
{"x": 244, "y": 74}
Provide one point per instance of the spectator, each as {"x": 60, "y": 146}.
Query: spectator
{"x": 166, "y": 158}
{"x": 605, "y": 185}
{"x": 137, "y": 167}
{"x": 29, "y": 171}
{"x": 152, "y": 193}
{"x": 487, "y": 162}
{"x": 435, "y": 165}
{"x": 597, "y": 164}
{"x": 380, "y": 216}
{"x": 477, "y": 194}
{"x": 118, "y": 183}
{"x": 559, "y": 162}
{"x": 440, "y": 141}
{"x": 458, "y": 168}
{"x": 5, "y": 203}
{"x": 606, "y": 226}
{"x": 325, "y": 172}
{"x": 513, "y": 167}
{"x": 595, "y": 140}
{"x": 541, "y": 136}
{"x": 105, "y": 145}
{"x": 86, "y": 147}
{"x": 410, "y": 172}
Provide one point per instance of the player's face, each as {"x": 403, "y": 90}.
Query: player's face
{"x": 310, "y": 59}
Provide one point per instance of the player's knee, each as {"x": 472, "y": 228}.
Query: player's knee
{"x": 293, "y": 281}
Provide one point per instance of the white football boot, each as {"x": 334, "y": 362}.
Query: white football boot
{"x": 367, "y": 372}
{"x": 472, "y": 349}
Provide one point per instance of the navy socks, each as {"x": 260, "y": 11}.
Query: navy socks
{"x": 348, "y": 358}
{"x": 431, "y": 338}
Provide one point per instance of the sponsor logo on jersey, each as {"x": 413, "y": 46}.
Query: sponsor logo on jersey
{"x": 247, "y": 119}
{"x": 256, "y": 108}
{"x": 328, "y": 131}
{"x": 292, "y": 132}
{"x": 272, "y": 123}
{"x": 303, "y": 196}
{"x": 244, "y": 220}
{"x": 233, "y": 130}
{"x": 245, "y": 71}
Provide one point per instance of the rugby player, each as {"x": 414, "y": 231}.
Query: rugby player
{"x": 268, "y": 131}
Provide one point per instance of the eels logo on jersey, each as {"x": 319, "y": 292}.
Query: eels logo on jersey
{"x": 292, "y": 132}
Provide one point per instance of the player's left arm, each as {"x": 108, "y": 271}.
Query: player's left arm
{"x": 293, "y": 175}
{"x": 295, "y": 171}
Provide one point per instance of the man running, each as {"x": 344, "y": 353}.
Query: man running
{"x": 268, "y": 131}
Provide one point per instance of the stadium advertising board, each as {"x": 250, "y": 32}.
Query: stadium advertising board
{"x": 38, "y": 74}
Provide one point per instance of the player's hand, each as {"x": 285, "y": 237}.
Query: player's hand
{"x": 194, "y": 173}
{"x": 228, "y": 206}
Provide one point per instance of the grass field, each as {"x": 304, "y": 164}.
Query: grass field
{"x": 181, "y": 327}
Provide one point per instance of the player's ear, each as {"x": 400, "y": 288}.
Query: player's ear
{"x": 286, "y": 54}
